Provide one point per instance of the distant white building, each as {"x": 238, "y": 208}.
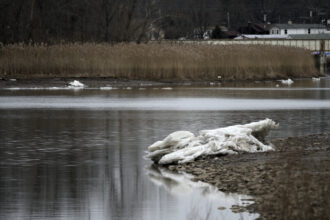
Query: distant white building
{"x": 295, "y": 29}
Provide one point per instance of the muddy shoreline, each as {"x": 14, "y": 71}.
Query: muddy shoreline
{"x": 292, "y": 182}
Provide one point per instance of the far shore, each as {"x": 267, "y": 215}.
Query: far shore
{"x": 292, "y": 182}
{"x": 156, "y": 62}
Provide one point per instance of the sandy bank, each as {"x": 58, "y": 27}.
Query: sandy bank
{"x": 291, "y": 183}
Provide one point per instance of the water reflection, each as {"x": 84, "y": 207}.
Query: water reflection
{"x": 182, "y": 185}
{"x": 87, "y": 163}
{"x": 163, "y": 104}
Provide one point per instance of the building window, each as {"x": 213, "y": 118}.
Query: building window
{"x": 285, "y": 31}
{"x": 309, "y": 31}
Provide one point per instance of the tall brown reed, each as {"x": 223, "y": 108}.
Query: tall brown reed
{"x": 156, "y": 61}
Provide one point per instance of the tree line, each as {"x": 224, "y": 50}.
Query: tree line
{"x": 50, "y": 21}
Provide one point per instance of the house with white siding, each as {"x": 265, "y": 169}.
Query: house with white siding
{"x": 296, "y": 29}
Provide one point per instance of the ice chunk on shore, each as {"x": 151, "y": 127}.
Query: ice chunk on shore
{"x": 184, "y": 146}
{"x": 287, "y": 82}
{"x": 76, "y": 84}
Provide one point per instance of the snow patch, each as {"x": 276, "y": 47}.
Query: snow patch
{"x": 316, "y": 79}
{"x": 184, "y": 146}
{"x": 76, "y": 84}
{"x": 167, "y": 88}
{"x": 287, "y": 82}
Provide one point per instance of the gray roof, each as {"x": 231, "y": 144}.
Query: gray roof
{"x": 299, "y": 26}
{"x": 310, "y": 36}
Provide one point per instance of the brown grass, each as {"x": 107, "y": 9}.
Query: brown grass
{"x": 156, "y": 61}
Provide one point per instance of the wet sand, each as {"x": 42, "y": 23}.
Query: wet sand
{"x": 292, "y": 182}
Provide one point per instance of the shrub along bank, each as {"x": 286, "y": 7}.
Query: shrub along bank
{"x": 156, "y": 61}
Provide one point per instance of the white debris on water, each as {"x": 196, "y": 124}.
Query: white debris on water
{"x": 184, "y": 146}
{"x": 76, "y": 84}
{"x": 106, "y": 88}
{"x": 167, "y": 88}
{"x": 287, "y": 82}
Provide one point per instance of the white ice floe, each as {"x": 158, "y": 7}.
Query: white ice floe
{"x": 106, "y": 88}
{"x": 76, "y": 84}
{"x": 287, "y": 82}
{"x": 167, "y": 88}
{"x": 316, "y": 79}
{"x": 184, "y": 146}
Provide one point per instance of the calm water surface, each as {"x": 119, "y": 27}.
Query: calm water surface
{"x": 78, "y": 154}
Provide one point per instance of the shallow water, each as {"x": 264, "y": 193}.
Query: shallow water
{"x": 78, "y": 154}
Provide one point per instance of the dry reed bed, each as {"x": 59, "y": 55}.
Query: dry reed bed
{"x": 156, "y": 61}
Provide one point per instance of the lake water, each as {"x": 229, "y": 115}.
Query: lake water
{"x": 79, "y": 154}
